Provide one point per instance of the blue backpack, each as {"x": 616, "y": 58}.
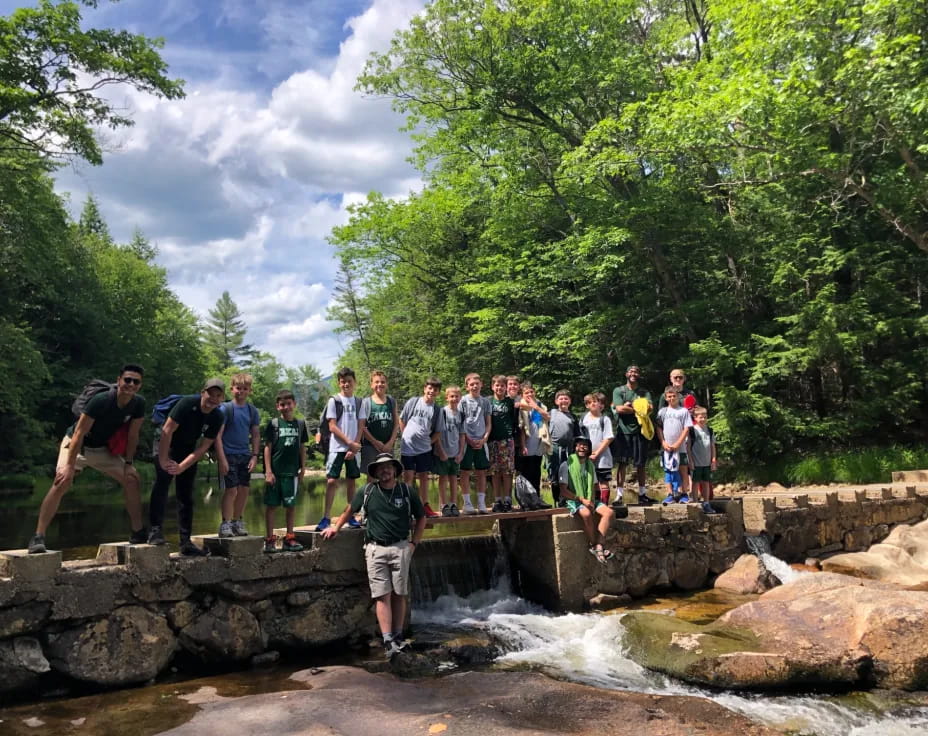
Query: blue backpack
{"x": 161, "y": 409}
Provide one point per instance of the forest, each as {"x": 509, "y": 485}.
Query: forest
{"x": 736, "y": 188}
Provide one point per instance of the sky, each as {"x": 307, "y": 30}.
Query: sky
{"x": 239, "y": 184}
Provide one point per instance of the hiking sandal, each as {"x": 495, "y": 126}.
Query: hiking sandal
{"x": 598, "y": 553}
{"x": 608, "y": 555}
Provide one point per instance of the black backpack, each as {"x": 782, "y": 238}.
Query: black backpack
{"x": 94, "y": 387}
{"x": 324, "y": 432}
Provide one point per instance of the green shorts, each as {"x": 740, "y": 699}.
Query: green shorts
{"x": 475, "y": 459}
{"x": 574, "y": 506}
{"x": 333, "y": 466}
{"x": 702, "y": 474}
{"x": 282, "y": 492}
{"x": 445, "y": 467}
{"x": 684, "y": 460}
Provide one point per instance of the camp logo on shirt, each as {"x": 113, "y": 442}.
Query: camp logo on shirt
{"x": 398, "y": 502}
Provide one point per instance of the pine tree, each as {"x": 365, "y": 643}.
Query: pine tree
{"x": 224, "y": 335}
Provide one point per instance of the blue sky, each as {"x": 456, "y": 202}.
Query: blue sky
{"x": 239, "y": 184}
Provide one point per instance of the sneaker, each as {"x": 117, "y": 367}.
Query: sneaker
{"x": 453, "y": 510}
{"x": 225, "y": 529}
{"x": 390, "y": 649}
{"x": 482, "y": 509}
{"x": 469, "y": 509}
{"x": 507, "y": 504}
{"x": 37, "y": 544}
{"x": 683, "y": 499}
{"x": 429, "y": 512}
{"x": 238, "y": 528}
{"x": 401, "y": 644}
{"x": 542, "y": 506}
{"x": 669, "y": 500}
{"x": 189, "y": 549}
{"x": 707, "y": 508}
{"x": 139, "y": 537}
{"x": 270, "y": 544}
{"x": 497, "y": 507}
{"x": 618, "y": 504}
{"x": 354, "y": 523}
{"x": 644, "y": 500}
{"x": 156, "y": 536}
{"x": 324, "y": 523}
{"x": 291, "y": 545}
{"x": 446, "y": 510}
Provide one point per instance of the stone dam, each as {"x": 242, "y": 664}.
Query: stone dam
{"x": 127, "y": 615}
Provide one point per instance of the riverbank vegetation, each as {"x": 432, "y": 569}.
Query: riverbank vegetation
{"x": 736, "y": 188}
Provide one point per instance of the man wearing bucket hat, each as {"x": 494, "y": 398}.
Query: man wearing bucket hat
{"x": 388, "y": 505}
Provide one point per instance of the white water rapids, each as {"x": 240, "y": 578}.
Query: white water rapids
{"x": 587, "y": 648}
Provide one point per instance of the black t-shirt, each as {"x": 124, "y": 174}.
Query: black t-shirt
{"x": 192, "y": 424}
{"x": 108, "y": 417}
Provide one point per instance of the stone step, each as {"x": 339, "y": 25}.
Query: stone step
{"x": 142, "y": 557}
{"x": 23, "y": 567}
{"x": 230, "y": 546}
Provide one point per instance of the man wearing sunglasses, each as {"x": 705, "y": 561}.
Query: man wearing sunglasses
{"x": 87, "y": 444}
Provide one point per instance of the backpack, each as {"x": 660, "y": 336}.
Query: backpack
{"x": 435, "y": 414}
{"x": 159, "y": 415}
{"x": 525, "y": 492}
{"x": 94, "y": 387}
{"x": 324, "y": 432}
{"x": 252, "y": 411}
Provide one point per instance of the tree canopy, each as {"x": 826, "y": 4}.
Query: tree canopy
{"x": 736, "y": 188}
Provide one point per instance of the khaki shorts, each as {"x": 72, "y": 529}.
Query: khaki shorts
{"x": 388, "y": 567}
{"x": 98, "y": 458}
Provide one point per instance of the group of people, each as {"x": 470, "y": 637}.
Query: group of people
{"x": 497, "y": 437}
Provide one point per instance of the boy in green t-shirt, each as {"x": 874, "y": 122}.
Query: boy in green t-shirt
{"x": 502, "y": 446}
{"x": 284, "y": 465}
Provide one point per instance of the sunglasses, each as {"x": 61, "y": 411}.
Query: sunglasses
{"x": 131, "y": 381}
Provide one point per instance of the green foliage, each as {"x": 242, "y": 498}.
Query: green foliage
{"x": 54, "y": 73}
{"x": 737, "y": 188}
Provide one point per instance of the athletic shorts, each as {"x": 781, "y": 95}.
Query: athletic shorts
{"x": 603, "y": 475}
{"x": 502, "y": 456}
{"x": 574, "y": 506}
{"x": 282, "y": 492}
{"x": 684, "y": 460}
{"x": 475, "y": 459}
{"x": 630, "y": 448}
{"x": 421, "y": 463}
{"x": 333, "y": 466}
{"x": 369, "y": 453}
{"x": 388, "y": 567}
{"x": 445, "y": 467}
{"x": 702, "y": 474}
{"x": 672, "y": 479}
{"x": 238, "y": 474}
{"x": 98, "y": 458}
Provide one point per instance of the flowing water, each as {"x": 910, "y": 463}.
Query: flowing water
{"x": 587, "y": 648}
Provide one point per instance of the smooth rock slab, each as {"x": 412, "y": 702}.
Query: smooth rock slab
{"x": 132, "y": 645}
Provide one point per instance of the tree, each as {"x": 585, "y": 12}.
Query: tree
{"x": 310, "y": 390}
{"x": 224, "y": 335}
{"x": 54, "y": 75}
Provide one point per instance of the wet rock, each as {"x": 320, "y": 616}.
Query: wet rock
{"x": 21, "y": 663}
{"x": 226, "y": 632}
{"x": 327, "y": 619}
{"x": 299, "y": 598}
{"x": 689, "y": 570}
{"x": 822, "y": 629}
{"x": 606, "y": 602}
{"x": 24, "y": 619}
{"x": 747, "y": 575}
{"x": 132, "y": 645}
{"x": 642, "y": 573}
{"x": 419, "y": 664}
{"x": 182, "y": 614}
{"x": 470, "y": 650}
{"x": 265, "y": 659}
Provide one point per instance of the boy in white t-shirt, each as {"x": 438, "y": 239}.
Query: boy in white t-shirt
{"x": 346, "y": 417}
{"x": 673, "y": 427}
{"x": 598, "y": 427}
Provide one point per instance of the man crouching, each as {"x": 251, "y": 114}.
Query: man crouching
{"x": 388, "y": 506}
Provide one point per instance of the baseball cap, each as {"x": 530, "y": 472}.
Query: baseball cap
{"x": 215, "y": 383}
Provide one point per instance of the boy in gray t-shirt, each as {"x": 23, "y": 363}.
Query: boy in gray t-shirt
{"x": 449, "y": 450}
{"x": 420, "y": 424}
{"x": 673, "y": 427}
{"x": 598, "y": 427}
{"x": 476, "y": 412}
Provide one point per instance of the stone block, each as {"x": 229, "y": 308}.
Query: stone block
{"x": 344, "y": 551}
{"x": 858, "y": 539}
{"x": 653, "y": 514}
{"x": 860, "y": 496}
{"x": 755, "y": 510}
{"x": 30, "y": 569}
{"x": 143, "y": 559}
{"x": 695, "y": 513}
{"x": 910, "y": 492}
{"x": 202, "y": 571}
{"x": 87, "y": 592}
{"x": 230, "y": 546}
{"x": 910, "y": 476}
{"x": 801, "y": 500}
{"x": 886, "y": 493}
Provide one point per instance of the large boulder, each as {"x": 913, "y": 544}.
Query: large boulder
{"x": 132, "y": 645}
{"x": 225, "y": 633}
{"x": 326, "y": 619}
{"x": 747, "y": 575}
{"x": 821, "y": 629}
{"x": 900, "y": 560}
{"x": 21, "y": 663}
